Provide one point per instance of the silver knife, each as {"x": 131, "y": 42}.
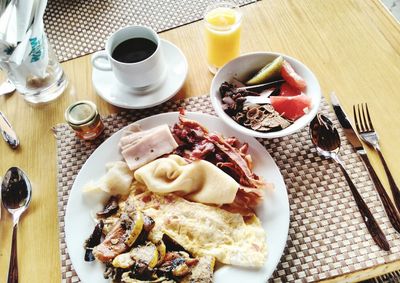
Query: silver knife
{"x": 7, "y": 132}
{"x": 351, "y": 135}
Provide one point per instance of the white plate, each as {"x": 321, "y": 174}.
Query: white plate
{"x": 115, "y": 93}
{"x": 273, "y": 212}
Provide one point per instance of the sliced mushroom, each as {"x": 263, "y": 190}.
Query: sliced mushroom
{"x": 176, "y": 265}
{"x": 93, "y": 240}
{"x": 110, "y": 208}
{"x": 121, "y": 237}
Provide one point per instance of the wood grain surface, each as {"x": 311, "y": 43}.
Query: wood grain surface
{"x": 352, "y": 46}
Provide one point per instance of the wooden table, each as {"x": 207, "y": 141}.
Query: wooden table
{"x": 353, "y": 47}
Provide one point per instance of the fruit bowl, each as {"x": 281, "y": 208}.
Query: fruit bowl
{"x": 244, "y": 67}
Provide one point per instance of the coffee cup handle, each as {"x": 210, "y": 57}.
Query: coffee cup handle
{"x": 100, "y": 61}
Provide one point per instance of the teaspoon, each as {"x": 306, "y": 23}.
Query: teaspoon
{"x": 16, "y": 193}
{"x": 326, "y": 139}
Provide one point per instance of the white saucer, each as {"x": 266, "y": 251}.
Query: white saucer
{"x": 115, "y": 93}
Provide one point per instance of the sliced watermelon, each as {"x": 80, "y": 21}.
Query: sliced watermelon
{"x": 291, "y": 107}
{"x": 288, "y": 90}
{"x": 291, "y": 77}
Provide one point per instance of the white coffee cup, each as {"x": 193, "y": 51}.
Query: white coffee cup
{"x": 142, "y": 74}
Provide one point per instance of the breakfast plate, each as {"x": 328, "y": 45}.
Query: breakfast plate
{"x": 273, "y": 212}
{"x": 117, "y": 94}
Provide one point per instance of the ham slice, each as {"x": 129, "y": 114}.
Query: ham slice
{"x": 139, "y": 148}
{"x": 133, "y": 134}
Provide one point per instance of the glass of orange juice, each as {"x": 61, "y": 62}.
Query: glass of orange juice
{"x": 222, "y": 33}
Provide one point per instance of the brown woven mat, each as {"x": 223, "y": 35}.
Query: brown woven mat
{"x": 327, "y": 236}
{"x": 79, "y": 27}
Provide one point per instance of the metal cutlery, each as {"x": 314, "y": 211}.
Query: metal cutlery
{"x": 260, "y": 87}
{"x": 16, "y": 193}
{"x": 8, "y": 132}
{"x": 258, "y": 94}
{"x": 1, "y": 180}
{"x": 352, "y": 137}
{"x": 368, "y": 134}
{"x": 326, "y": 139}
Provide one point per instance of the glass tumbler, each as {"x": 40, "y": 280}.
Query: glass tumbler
{"x": 35, "y": 86}
{"x": 223, "y": 23}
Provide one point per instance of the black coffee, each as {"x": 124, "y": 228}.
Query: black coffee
{"x": 134, "y": 50}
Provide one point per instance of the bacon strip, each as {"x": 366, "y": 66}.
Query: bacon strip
{"x": 228, "y": 154}
{"x": 248, "y": 178}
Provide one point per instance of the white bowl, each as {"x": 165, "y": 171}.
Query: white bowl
{"x": 242, "y": 68}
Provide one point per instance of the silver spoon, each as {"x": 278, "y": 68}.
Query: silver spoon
{"x": 260, "y": 87}
{"x": 326, "y": 139}
{"x": 7, "y": 87}
{"x": 16, "y": 193}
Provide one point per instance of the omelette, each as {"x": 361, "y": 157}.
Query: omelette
{"x": 205, "y": 230}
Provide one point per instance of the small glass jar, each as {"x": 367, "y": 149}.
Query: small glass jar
{"x": 84, "y": 119}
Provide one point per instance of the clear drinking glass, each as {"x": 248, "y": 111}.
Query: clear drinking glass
{"x": 38, "y": 89}
{"x": 223, "y": 26}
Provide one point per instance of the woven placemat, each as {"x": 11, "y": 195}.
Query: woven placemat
{"x": 327, "y": 236}
{"x": 79, "y": 27}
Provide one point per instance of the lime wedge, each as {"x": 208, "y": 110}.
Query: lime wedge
{"x": 270, "y": 71}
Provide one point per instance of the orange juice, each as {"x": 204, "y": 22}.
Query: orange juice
{"x": 222, "y": 34}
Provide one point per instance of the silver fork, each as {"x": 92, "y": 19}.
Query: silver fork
{"x": 368, "y": 134}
